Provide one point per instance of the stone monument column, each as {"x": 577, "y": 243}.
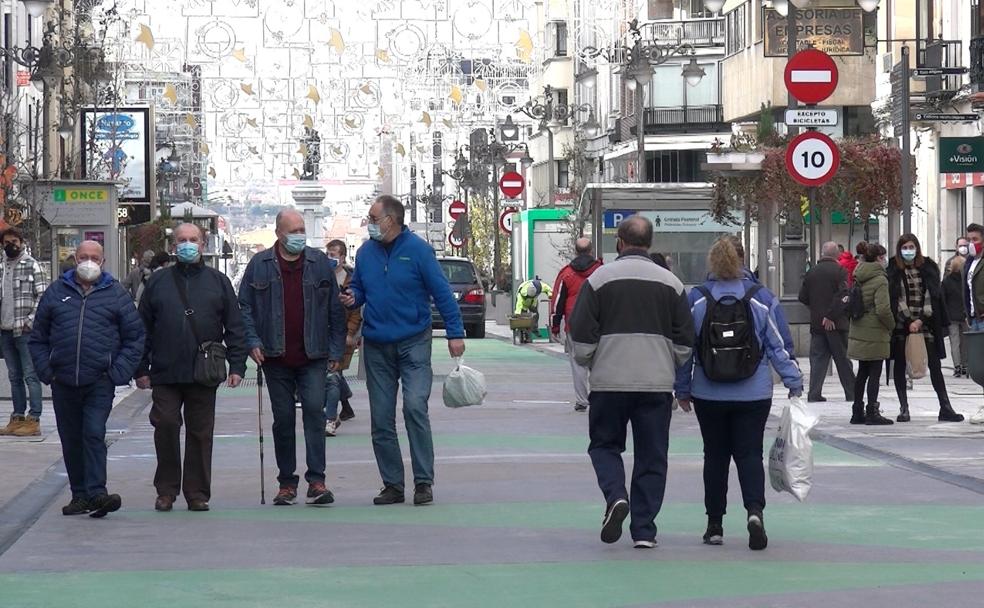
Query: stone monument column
{"x": 309, "y": 198}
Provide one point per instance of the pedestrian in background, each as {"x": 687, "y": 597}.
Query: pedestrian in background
{"x": 184, "y": 307}
{"x": 869, "y": 337}
{"x": 914, "y": 292}
{"x": 135, "y": 278}
{"x": 732, "y": 414}
{"x": 568, "y": 284}
{"x": 632, "y": 327}
{"x": 337, "y": 388}
{"x": 23, "y": 283}
{"x": 87, "y": 340}
{"x": 974, "y": 292}
{"x": 396, "y": 277}
{"x": 295, "y": 329}
{"x": 952, "y": 292}
{"x": 961, "y": 250}
{"x": 823, "y": 289}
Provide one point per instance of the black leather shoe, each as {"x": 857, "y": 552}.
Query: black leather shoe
{"x": 105, "y": 504}
{"x": 389, "y": 495}
{"x": 198, "y": 505}
{"x": 164, "y": 503}
{"x": 423, "y": 494}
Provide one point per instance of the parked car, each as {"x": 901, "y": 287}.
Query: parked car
{"x": 468, "y": 291}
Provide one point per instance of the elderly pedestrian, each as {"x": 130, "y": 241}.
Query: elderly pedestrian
{"x": 869, "y": 336}
{"x": 914, "y": 293}
{"x": 87, "y": 340}
{"x": 396, "y": 277}
{"x": 729, "y": 384}
{"x": 952, "y": 292}
{"x": 337, "y": 389}
{"x": 23, "y": 283}
{"x": 184, "y": 307}
{"x": 823, "y": 289}
{"x": 295, "y": 329}
{"x": 567, "y": 286}
{"x": 632, "y": 327}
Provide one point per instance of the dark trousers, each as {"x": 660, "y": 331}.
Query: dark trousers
{"x": 868, "y": 372}
{"x": 822, "y": 348}
{"x": 935, "y": 372}
{"x": 732, "y": 430}
{"x": 608, "y": 417}
{"x": 81, "y": 413}
{"x": 199, "y": 420}
{"x": 307, "y": 383}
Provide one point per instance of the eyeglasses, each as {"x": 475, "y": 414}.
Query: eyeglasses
{"x": 373, "y": 220}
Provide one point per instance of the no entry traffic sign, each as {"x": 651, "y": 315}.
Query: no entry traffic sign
{"x": 506, "y": 219}
{"x": 811, "y": 76}
{"x": 812, "y": 158}
{"x": 456, "y": 209}
{"x": 512, "y": 184}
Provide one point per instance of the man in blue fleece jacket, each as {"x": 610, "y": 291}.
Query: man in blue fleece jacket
{"x": 396, "y": 275}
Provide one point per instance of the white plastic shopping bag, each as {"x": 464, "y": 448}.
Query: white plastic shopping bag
{"x": 464, "y": 386}
{"x": 791, "y": 456}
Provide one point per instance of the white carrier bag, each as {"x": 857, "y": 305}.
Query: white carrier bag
{"x": 791, "y": 456}
{"x": 464, "y": 386}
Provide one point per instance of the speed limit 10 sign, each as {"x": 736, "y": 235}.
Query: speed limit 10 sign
{"x": 812, "y": 158}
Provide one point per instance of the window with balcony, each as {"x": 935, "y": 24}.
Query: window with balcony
{"x": 557, "y": 38}
{"x": 675, "y": 166}
{"x": 736, "y": 30}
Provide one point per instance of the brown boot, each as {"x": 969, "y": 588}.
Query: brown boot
{"x": 16, "y": 421}
{"x": 31, "y": 427}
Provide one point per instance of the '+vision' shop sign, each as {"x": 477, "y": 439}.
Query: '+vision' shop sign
{"x": 961, "y": 154}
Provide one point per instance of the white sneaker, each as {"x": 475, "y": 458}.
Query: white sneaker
{"x": 978, "y": 418}
{"x": 644, "y": 544}
{"x": 331, "y": 428}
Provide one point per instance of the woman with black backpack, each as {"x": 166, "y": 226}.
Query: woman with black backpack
{"x": 730, "y": 383}
{"x": 868, "y": 338}
{"x": 917, "y": 305}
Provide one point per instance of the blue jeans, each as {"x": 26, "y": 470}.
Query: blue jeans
{"x": 20, "y": 370}
{"x": 81, "y": 413}
{"x": 386, "y": 365}
{"x": 336, "y": 389}
{"x": 976, "y": 325}
{"x": 308, "y": 383}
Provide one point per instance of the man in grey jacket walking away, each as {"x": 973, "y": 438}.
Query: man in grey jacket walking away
{"x": 632, "y": 326}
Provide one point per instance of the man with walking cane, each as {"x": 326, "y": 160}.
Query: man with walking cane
{"x": 189, "y": 310}
{"x": 295, "y": 330}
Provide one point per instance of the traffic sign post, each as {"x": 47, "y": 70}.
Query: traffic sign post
{"x": 506, "y": 219}
{"x": 812, "y": 158}
{"x": 811, "y": 76}
{"x": 456, "y": 209}
{"x": 512, "y": 184}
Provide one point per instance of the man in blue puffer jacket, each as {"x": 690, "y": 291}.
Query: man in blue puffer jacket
{"x": 396, "y": 275}
{"x": 87, "y": 340}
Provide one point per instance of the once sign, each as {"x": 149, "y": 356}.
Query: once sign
{"x": 812, "y": 158}
{"x": 811, "y": 76}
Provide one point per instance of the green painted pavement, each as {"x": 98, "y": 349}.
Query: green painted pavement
{"x": 936, "y": 527}
{"x": 572, "y": 585}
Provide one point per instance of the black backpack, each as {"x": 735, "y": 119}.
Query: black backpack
{"x": 854, "y": 307}
{"x": 728, "y": 349}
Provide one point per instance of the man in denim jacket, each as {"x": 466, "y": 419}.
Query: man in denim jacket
{"x": 295, "y": 329}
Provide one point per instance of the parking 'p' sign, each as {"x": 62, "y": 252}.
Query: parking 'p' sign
{"x": 812, "y": 158}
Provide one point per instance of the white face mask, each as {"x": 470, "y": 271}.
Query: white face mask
{"x": 962, "y": 250}
{"x": 88, "y": 271}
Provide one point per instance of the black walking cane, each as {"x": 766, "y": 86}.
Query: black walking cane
{"x": 259, "y": 417}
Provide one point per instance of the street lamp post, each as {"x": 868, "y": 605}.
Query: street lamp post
{"x": 638, "y": 61}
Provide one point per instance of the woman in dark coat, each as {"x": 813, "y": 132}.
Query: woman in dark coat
{"x": 953, "y": 300}
{"x": 917, "y": 305}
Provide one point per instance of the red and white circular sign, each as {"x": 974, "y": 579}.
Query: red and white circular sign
{"x": 456, "y": 240}
{"x": 456, "y": 209}
{"x": 506, "y": 219}
{"x": 811, "y": 76}
{"x": 512, "y": 184}
{"x": 812, "y": 158}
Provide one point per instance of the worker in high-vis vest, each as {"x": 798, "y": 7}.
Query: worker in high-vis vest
{"x": 527, "y": 301}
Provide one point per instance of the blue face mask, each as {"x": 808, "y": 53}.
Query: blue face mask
{"x": 374, "y": 232}
{"x": 295, "y": 243}
{"x": 908, "y": 254}
{"x": 187, "y": 252}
